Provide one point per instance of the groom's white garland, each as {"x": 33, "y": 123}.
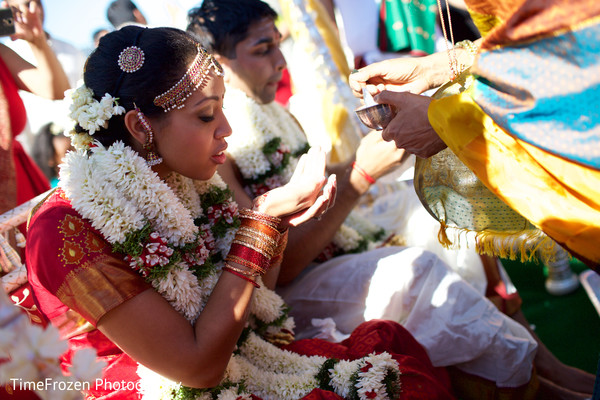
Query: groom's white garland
{"x": 176, "y": 234}
{"x": 266, "y": 145}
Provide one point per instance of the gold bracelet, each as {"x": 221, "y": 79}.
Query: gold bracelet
{"x": 251, "y": 274}
{"x": 265, "y": 252}
{"x": 261, "y": 217}
{"x": 246, "y": 263}
{"x": 257, "y": 235}
{"x": 471, "y": 47}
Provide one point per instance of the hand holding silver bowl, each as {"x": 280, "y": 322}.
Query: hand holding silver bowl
{"x": 374, "y": 115}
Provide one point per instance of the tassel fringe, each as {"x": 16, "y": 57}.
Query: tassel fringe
{"x": 526, "y": 245}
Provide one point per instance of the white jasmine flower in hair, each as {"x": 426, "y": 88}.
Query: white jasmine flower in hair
{"x": 90, "y": 113}
{"x": 110, "y": 106}
{"x": 78, "y": 97}
{"x": 81, "y": 140}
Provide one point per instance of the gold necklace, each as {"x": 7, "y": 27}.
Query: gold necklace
{"x": 452, "y": 59}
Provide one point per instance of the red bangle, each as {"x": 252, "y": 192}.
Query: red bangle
{"x": 246, "y": 278}
{"x": 361, "y": 171}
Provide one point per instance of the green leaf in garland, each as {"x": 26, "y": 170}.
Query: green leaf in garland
{"x": 392, "y": 384}
{"x": 188, "y": 393}
{"x": 323, "y": 377}
{"x": 220, "y": 229}
{"x": 302, "y": 150}
{"x": 271, "y": 146}
{"x": 216, "y": 196}
{"x": 261, "y": 326}
{"x": 353, "y": 395}
{"x": 132, "y": 244}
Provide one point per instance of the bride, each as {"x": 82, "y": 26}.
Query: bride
{"x": 159, "y": 271}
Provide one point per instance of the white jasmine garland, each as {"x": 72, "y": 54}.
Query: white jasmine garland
{"x": 254, "y": 126}
{"x": 257, "y": 125}
{"x": 151, "y": 222}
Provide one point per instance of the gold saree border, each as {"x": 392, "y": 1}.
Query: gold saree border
{"x": 100, "y": 285}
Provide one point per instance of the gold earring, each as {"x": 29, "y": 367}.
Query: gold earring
{"x": 152, "y": 158}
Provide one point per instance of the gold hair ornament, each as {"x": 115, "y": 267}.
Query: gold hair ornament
{"x": 195, "y": 77}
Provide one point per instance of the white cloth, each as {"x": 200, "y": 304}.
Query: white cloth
{"x": 393, "y": 204}
{"x": 455, "y": 324}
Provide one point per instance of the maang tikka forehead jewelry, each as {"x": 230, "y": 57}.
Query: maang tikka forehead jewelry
{"x": 195, "y": 77}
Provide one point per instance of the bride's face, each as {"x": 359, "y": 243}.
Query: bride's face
{"x": 191, "y": 140}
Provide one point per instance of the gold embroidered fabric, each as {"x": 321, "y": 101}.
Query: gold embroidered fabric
{"x": 100, "y": 285}
{"x": 467, "y": 209}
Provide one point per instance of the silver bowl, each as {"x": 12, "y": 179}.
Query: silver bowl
{"x": 376, "y": 116}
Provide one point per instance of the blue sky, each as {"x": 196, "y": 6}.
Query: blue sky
{"x": 74, "y": 21}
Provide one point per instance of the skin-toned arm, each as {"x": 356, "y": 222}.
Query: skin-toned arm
{"x": 149, "y": 330}
{"x": 309, "y": 162}
{"x": 374, "y": 156}
{"x": 409, "y": 74}
{"x": 48, "y": 79}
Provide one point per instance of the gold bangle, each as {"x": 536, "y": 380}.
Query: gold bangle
{"x": 471, "y": 47}
{"x": 266, "y": 252}
{"x": 246, "y": 263}
{"x": 262, "y": 217}
{"x": 251, "y": 273}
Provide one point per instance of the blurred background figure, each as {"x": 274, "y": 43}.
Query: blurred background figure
{"x": 20, "y": 178}
{"x": 373, "y": 30}
{"x": 123, "y": 12}
{"x": 41, "y": 110}
{"x": 49, "y": 147}
{"x": 97, "y": 35}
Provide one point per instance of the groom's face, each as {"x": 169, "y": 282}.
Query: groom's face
{"x": 258, "y": 64}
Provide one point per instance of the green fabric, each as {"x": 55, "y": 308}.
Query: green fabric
{"x": 569, "y": 325}
{"x": 408, "y": 26}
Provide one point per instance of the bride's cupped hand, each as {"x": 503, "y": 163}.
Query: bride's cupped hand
{"x": 307, "y": 195}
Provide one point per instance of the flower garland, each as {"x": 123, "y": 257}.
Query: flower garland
{"x": 176, "y": 234}
{"x": 269, "y": 143}
{"x": 261, "y": 128}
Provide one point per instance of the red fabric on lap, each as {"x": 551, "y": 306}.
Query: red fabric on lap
{"x": 419, "y": 378}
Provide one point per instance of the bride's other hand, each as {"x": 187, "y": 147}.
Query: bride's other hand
{"x": 308, "y": 194}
